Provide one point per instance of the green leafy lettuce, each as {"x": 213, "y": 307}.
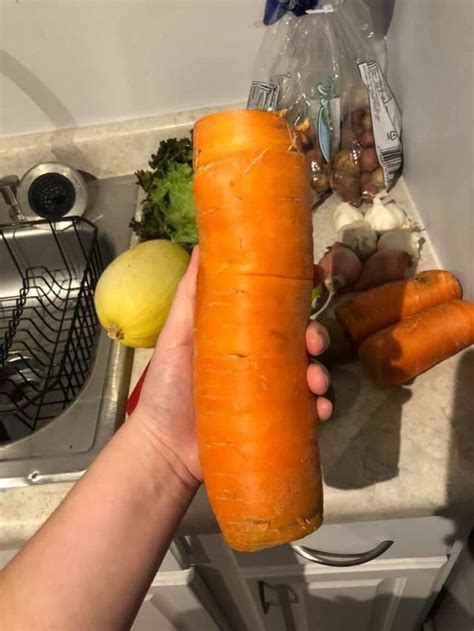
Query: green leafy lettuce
{"x": 168, "y": 209}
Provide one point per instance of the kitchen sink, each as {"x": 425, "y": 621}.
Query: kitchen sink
{"x": 63, "y": 383}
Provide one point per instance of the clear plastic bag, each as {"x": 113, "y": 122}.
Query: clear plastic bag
{"x": 275, "y": 9}
{"x": 321, "y": 70}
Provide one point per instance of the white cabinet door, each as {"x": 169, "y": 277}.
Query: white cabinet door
{"x": 383, "y": 595}
{"x": 179, "y": 601}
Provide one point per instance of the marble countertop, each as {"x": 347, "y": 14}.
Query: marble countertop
{"x": 406, "y": 452}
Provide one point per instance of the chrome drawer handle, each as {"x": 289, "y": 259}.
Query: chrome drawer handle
{"x": 341, "y": 560}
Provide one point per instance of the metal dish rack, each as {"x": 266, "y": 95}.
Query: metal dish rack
{"x": 48, "y": 324}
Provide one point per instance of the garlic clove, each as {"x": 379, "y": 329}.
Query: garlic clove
{"x": 345, "y": 214}
{"x": 386, "y": 216}
{"x": 402, "y": 239}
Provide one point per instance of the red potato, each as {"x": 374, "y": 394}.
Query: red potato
{"x": 377, "y": 177}
{"x": 347, "y": 187}
{"x": 365, "y": 177}
{"x": 379, "y": 269}
{"x": 349, "y": 138}
{"x": 366, "y": 121}
{"x": 347, "y": 161}
{"x": 367, "y": 138}
{"x": 368, "y": 159}
{"x": 358, "y": 115}
{"x": 314, "y": 157}
{"x": 309, "y": 138}
{"x": 320, "y": 183}
{"x": 369, "y": 191}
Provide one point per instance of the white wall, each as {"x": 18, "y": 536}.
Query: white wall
{"x": 66, "y": 63}
{"x": 431, "y": 68}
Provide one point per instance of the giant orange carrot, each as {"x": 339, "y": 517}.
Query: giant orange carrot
{"x": 382, "y": 306}
{"x": 256, "y": 418}
{"x": 400, "y": 352}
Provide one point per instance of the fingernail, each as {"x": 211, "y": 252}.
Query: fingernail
{"x": 328, "y": 382}
{"x": 326, "y": 339}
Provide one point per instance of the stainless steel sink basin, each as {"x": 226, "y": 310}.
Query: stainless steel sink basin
{"x": 55, "y": 340}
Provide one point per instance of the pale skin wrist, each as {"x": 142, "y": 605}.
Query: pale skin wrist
{"x": 158, "y": 455}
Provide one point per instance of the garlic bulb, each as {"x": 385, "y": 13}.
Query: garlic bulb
{"x": 383, "y": 217}
{"x": 402, "y": 239}
{"x": 345, "y": 214}
{"x": 359, "y": 237}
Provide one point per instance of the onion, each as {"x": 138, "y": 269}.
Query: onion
{"x": 385, "y": 266}
{"x": 341, "y": 269}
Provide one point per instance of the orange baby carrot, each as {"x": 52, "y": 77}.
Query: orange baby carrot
{"x": 256, "y": 418}
{"x": 400, "y": 352}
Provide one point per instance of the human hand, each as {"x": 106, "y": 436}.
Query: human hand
{"x": 166, "y": 399}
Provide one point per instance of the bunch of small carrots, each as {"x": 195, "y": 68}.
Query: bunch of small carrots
{"x": 402, "y": 329}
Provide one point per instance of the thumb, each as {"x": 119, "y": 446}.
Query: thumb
{"x": 178, "y": 328}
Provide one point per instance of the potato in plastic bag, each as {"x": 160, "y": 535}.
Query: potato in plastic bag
{"x": 321, "y": 70}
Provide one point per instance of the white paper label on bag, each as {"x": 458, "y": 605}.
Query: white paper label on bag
{"x": 263, "y": 96}
{"x": 386, "y": 120}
